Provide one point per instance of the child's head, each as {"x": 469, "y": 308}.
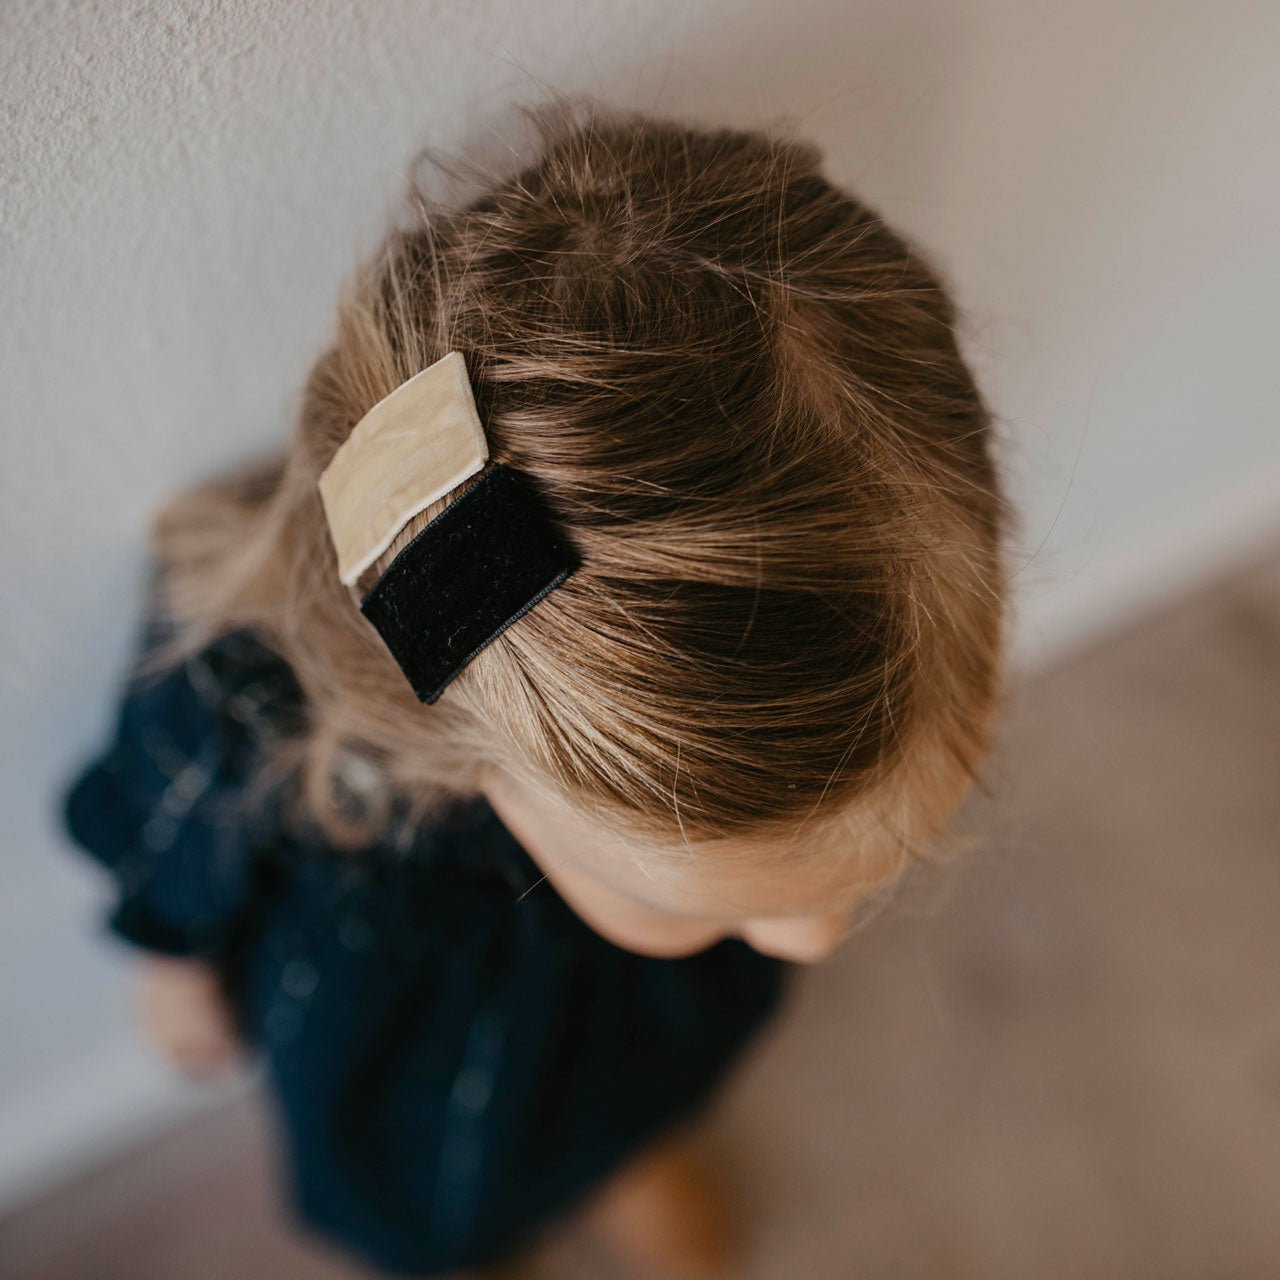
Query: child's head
{"x": 740, "y": 395}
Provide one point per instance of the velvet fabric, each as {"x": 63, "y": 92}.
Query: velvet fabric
{"x": 483, "y": 562}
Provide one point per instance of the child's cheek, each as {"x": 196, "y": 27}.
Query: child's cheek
{"x": 641, "y": 931}
{"x": 802, "y": 941}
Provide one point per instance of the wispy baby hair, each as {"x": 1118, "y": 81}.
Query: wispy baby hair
{"x": 741, "y": 397}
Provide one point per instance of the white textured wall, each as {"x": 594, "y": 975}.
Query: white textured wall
{"x": 184, "y": 184}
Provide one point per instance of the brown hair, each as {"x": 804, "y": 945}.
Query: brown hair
{"x": 740, "y": 395}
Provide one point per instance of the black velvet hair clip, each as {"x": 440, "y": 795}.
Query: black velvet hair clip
{"x": 480, "y": 565}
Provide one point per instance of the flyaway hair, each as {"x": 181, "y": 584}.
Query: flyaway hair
{"x": 740, "y": 395}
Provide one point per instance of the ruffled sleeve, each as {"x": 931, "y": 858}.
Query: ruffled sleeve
{"x": 166, "y": 807}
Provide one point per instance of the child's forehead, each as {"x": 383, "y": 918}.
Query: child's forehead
{"x": 802, "y": 870}
{"x": 709, "y": 889}
{"x": 817, "y": 864}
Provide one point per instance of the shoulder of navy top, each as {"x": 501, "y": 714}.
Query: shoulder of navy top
{"x": 167, "y": 806}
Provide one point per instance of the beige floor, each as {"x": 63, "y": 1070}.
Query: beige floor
{"x": 1060, "y": 1059}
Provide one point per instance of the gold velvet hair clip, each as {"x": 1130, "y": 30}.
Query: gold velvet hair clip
{"x": 479, "y": 565}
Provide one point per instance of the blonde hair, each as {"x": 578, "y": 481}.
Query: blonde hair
{"x": 740, "y": 395}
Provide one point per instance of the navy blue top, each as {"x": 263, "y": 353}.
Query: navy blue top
{"x": 454, "y": 1056}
